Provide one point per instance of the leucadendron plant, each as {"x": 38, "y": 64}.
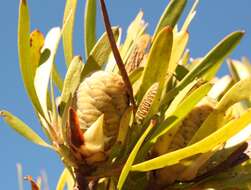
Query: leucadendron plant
{"x": 138, "y": 114}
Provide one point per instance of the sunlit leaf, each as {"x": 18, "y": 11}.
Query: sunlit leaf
{"x": 126, "y": 169}
{"x": 203, "y": 146}
{"x": 44, "y": 70}
{"x": 20, "y": 127}
{"x": 135, "y": 29}
{"x": 57, "y": 79}
{"x": 99, "y": 53}
{"x": 24, "y": 53}
{"x": 238, "y": 92}
{"x": 171, "y": 15}
{"x": 135, "y": 75}
{"x": 180, "y": 41}
{"x": 214, "y": 58}
{"x": 157, "y": 62}
{"x": 172, "y": 119}
{"x": 90, "y": 26}
{"x": 65, "y": 180}
{"x": 68, "y": 22}
{"x": 36, "y": 44}
{"x": 72, "y": 80}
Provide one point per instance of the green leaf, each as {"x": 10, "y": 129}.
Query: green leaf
{"x": 181, "y": 111}
{"x": 99, "y": 53}
{"x": 136, "y": 74}
{"x": 172, "y": 119}
{"x": 180, "y": 40}
{"x": 71, "y": 82}
{"x": 126, "y": 169}
{"x": 68, "y": 25}
{"x": 238, "y": 92}
{"x": 90, "y": 26}
{"x": 44, "y": 70}
{"x": 57, "y": 79}
{"x": 20, "y": 127}
{"x": 214, "y": 121}
{"x": 24, "y": 53}
{"x": 180, "y": 97}
{"x": 203, "y": 146}
{"x": 65, "y": 179}
{"x": 214, "y": 58}
{"x": 157, "y": 62}
{"x": 170, "y": 15}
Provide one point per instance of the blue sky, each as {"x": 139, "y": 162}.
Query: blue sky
{"x": 214, "y": 20}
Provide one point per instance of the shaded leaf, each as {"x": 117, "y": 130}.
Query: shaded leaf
{"x": 20, "y": 127}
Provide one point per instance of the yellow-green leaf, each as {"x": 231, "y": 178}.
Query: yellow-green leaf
{"x": 214, "y": 58}
{"x": 238, "y": 92}
{"x": 65, "y": 180}
{"x": 126, "y": 169}
{"x": 170, "y": 15}
{"x": 90, "y": 26}
{"x": 99, "y": 53}
{"x": 68, "y": 24}
{"x": 20, "y": 127}
{"x": 203, "y": 146}
{"x": 24, "y": 53}
{"x": 72, "y": 80}
{"x": 157, "y": 62}
{"x": 36, "y": 44}
{"x": 44, "y": 70}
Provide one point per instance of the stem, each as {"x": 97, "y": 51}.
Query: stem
{"x": 116, "y": 53}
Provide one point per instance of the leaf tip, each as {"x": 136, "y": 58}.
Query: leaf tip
{"x": 23, "y": 2}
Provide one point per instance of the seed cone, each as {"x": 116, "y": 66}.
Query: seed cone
{"x": 101, "y": 93}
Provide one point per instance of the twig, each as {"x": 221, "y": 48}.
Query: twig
{"x": 116, "y": 53}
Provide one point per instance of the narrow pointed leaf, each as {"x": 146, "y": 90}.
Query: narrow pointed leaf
{"x": 181, "y": 111}
{"x": 65, "y": 180}
{"x": 170, "y": 15}
{"x": 172, "y": 119}
{"x": 72, "y": 80}
{"x": 203, "y": 146}
{"x": 57, "y": 79}
{"x": 99, "y": 53}
{"x": 90, "y": 26}
{"x": 24, "y": 53}
{"x": 126, "y": 169}
{"x": 44, "y": 70}
{"x": 157, "y": 62}
{"x": 68, "y": 22}
{"x": 214, "y": 58}
{"x": 20, "y": 127}
{"x": 238, "y": 92}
